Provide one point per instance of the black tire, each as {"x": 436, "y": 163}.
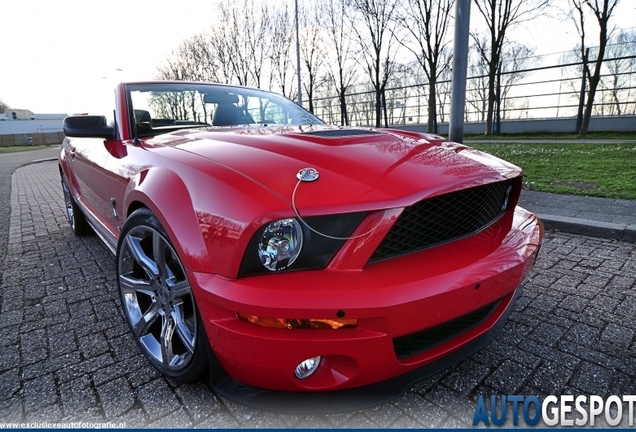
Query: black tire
{"x": 158, "y": 302}
{"x": 75, "y": 217}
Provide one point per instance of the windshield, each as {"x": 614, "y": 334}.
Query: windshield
{"x": 163, "y": 107}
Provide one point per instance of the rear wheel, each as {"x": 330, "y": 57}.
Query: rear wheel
{"x": 75, "y": 217}
{"x": 157, "y": 300}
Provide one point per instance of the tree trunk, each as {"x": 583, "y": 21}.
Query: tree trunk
{"x": 492, "y": 73}
{"x": 432, "y": 108}
{"x": 378, "y": 107}
{"x": 602, "y": 17}
{"x": 594, "y": 80}
{"x": 310, "y": 95}
{"x": 344, "y": 119}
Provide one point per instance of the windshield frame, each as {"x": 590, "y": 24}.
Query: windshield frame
{"x": 160, "y": 107}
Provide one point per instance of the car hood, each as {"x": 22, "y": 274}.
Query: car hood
{"x": 360, "y": 169}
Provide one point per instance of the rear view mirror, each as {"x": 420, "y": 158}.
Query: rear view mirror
{"x": 88, "y": 126}
{"x": 220, "y": 97}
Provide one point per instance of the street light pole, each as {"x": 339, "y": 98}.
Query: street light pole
{"x": 460, "y": 70}
{"x": 300, "y": 90}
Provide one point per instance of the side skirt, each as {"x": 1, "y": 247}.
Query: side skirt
{"x": 105, "y": 236}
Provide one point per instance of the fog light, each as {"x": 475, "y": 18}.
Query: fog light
{"x": 307, "y": 368}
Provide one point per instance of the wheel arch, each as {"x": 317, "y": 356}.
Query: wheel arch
{"x": 165, "y": 194}
{"x": 134, "y": 205}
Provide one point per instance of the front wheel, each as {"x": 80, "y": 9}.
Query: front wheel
{"x": 157, "y": 300}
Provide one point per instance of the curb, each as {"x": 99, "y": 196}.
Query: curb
{"x": 43, "y": 160}
{"x": 589, "y": 227}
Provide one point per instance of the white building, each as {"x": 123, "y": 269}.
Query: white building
{"x": 15, "y": 121}
{"x": 22, "y": 127}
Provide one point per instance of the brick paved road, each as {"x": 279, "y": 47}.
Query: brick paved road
{"x": 66, "y": 354}
{"x": 8, "y": 163}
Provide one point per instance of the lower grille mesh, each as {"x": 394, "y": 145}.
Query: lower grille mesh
{"x": 444, "y": 218}
{"x": 415, "y": 343}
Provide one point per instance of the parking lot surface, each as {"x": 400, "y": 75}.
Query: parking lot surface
{"x": 66, "y": 354}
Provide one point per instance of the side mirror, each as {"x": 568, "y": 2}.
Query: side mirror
{"x": 88, "y": 126}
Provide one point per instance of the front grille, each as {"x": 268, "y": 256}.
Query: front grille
{"x": 444, "y": 218}
{"x": 415, "y": 343}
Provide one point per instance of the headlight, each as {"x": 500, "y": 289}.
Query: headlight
{"x": 280, "y": 244}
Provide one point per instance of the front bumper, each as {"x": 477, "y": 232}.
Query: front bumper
{"x": 390, "y": 299}
{"x": 358, "y": 398}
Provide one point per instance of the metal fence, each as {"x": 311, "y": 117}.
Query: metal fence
{"x": 550, "y": 91}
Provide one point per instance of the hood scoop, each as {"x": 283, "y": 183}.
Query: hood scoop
{"x": 341, "y": 133}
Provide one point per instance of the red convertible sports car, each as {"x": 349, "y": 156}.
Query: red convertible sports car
{"x": 275, "y": 254}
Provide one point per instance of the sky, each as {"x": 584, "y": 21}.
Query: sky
{"x": 61, "y": 56}
{"x": 56, "y": 54}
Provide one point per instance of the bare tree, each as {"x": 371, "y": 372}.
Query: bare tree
{"x": 602, "y": 12}
{"x": 173, "y": 68}
{"x": 3, "y": 106}
{"x": 193, "y": 60}
{"x": 233, "y": 42}
{"x": 244, "y": 36}
{"x": 219, "y": 51}
{"x": 282, "y": 38}
{"x": 443, "y": 88}
{"x": 414, "y": 93}
{"x": 258, "y": 39}
{"x": 477, "y": 83}
{"x": 397, "y": 97}
{"x": 501, "y": 16}
{"x": 327, "y": 107}
{"x": 373, "y": 24}
{"x": 312, "y": 54}
{"x": 427, "y": 24}
{"x": 621, "y": 65}
{"x": 361, "y": 104}
{"x": 516, "y": 58}
{"x": 570, "y": 82}
{"x": 338, "y": 42}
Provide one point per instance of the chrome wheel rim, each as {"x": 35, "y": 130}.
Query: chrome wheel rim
{"x": 157, "y": 298}
{"x": 68, "y": 202}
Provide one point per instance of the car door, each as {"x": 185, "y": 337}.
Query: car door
{"x": 87, "y": 158}
{"x": 118, "y": 170}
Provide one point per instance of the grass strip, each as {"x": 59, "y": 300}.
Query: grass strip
{"x": 622, "y": 136}
{"x": 14, "y": 149}
{"x": 602, "y": 170}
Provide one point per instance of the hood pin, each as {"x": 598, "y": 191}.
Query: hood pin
{"x": 307, "y": 175}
